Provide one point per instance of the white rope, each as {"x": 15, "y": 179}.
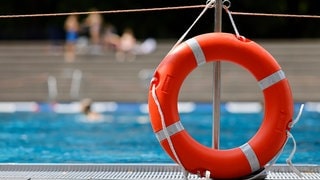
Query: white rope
{"x": 101, "y": 12}
{"x": 289, "y": 162}
{"x": 233, "y": 24}
{"x": 298, "y": 116}
{"x": 226, "y": 7}
{"x": 272, "y": 162}
{"x": 210, "y": 3}
{"x": 207, "y": 175}
{"x": 165, "y": 130}
{"x": 289, "y": 159}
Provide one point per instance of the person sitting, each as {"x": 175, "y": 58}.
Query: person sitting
{"x": 127, "y": 44}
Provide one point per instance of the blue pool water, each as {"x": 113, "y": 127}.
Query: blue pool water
{"x": 125, "y": 134}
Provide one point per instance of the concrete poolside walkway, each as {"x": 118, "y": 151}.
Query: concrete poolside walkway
{"x": 131, "y": 171}
{"x": 25, "y": 68}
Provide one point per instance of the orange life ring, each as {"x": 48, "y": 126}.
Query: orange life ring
{"x": 195, "y": 157}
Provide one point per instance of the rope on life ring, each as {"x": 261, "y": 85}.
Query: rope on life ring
{"x": 176, "y": 141}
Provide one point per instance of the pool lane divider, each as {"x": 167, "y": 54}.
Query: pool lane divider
{"x": 128, "y": 107}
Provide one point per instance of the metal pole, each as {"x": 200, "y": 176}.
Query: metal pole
{"x": 217, "y": 82}
{"x": 75, "y": 83}
{"x": 52, "y": 88}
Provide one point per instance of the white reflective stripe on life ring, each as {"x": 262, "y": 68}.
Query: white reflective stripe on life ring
{"x": 172, "y": 129}
{"x": 251, "y": 157}
{"x": 197, "y": 51}
{"x": 272, "y": 79}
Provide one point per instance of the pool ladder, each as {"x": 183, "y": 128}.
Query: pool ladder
{"x": 75, "y": 86}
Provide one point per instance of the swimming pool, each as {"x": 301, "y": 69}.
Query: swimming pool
{"x": 58, "y": 133}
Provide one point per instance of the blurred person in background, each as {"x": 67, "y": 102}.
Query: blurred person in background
{"x": 127, "y": 44}
{"x": 111, "y": 39}
{"x": 94, "y": 23}
{"x": 71, "y": 27}
{"x": 86, "y": 109}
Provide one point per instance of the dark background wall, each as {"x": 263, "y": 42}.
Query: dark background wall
{"x": 161, "y": 24}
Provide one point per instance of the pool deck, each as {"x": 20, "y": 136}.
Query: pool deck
{"x": 130, "y": 171}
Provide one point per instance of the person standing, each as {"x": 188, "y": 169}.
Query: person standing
{"x": 72, "y": 28}
{"x": 94, "y": 22}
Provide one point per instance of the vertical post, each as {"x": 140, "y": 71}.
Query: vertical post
{"x": 52, "y": 88}
{"x": 75, "y": 83}
{"x": 217, "y": 82}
